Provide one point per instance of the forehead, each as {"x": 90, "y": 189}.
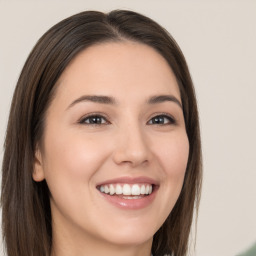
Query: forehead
{"x": 118, "y": 69}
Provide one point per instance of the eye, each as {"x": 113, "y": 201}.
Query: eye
{"x": 162, "y": 120}
{"x": 94, "y": 120}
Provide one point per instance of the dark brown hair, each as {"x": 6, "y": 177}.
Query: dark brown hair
{"x": 26, "y": 213}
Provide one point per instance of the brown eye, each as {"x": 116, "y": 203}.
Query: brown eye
{"x": 94, "y": 120}
{"x": 162, "y": 120}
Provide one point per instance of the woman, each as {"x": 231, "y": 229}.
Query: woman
{"x": 102, "y": 152}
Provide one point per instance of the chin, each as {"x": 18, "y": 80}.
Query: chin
{"x": 131, "y": 234}
{"x": 130, "y": 239}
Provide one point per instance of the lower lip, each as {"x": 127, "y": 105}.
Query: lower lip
{"x": 133, "y": 204}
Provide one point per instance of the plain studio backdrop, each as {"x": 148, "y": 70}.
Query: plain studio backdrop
{"x": 218, "y": 39}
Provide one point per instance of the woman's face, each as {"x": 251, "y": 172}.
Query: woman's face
{"x": 113, "y": 132}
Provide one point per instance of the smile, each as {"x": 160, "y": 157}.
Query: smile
{"x": 127, "y": 189}
{"x": 129, "y": 193}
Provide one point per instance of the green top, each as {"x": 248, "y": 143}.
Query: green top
{"x": 250, "y": 252}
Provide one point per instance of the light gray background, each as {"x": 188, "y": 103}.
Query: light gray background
{"x": 218, "y": 39}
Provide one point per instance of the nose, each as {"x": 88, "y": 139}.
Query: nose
{"x": 132, "y": 147}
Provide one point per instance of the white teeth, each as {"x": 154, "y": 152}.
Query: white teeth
{"x": 143, "y": 190}
{"x": 127, "y": 190}
{"x": 131, "y": 197}
{"x": 106, "y": 189}
{"x": 119, "y": 190}
{"x": 112, "y": 189}
{"x": 147, "y": 189}
{"x": 133, "y": 190}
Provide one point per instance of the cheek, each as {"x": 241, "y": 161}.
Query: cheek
{"x": 173, "y": 157}
{"x": 70, "y": 162}
{"x": 72, "y": 154}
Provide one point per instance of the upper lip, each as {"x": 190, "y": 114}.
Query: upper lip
{"x": 129, "y": 180}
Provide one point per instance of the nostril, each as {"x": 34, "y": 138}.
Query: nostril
{"x": 132, "y": 158}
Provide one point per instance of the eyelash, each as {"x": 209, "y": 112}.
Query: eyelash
{"x": 170, "y": 119}
{"x": 97, "y": 117}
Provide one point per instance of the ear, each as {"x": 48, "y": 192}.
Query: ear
{"x": 38, "y": 171}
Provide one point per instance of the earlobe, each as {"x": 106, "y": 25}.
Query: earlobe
{"x": 38, "y": 171}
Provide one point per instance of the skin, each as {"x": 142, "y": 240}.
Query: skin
{"x": 75, "y": 156}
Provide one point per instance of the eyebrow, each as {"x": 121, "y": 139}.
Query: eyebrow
{"x": 95, "y": 99}
{"x": 163, "y": 98}
{"x": 110, "y": 100}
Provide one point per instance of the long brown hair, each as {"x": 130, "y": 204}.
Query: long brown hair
{"x": 26, "y": 213}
